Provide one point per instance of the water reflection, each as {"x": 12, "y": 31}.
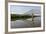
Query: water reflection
{"x": 26, "y": 23}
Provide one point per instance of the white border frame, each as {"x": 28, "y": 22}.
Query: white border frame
{"x": 24, "y": 29}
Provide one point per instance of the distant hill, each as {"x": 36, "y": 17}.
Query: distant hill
{"x": 36, "y": 13}
{"x": 33, "y": 11}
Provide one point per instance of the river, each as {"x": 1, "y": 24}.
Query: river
{"x": 26, "y": 23}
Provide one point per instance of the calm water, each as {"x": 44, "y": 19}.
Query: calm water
{"x": 26, "y": 23}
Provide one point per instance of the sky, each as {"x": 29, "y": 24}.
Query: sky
{"x": 18, "y": 9}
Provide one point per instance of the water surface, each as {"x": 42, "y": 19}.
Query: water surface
{"x": 26, "y": 23}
